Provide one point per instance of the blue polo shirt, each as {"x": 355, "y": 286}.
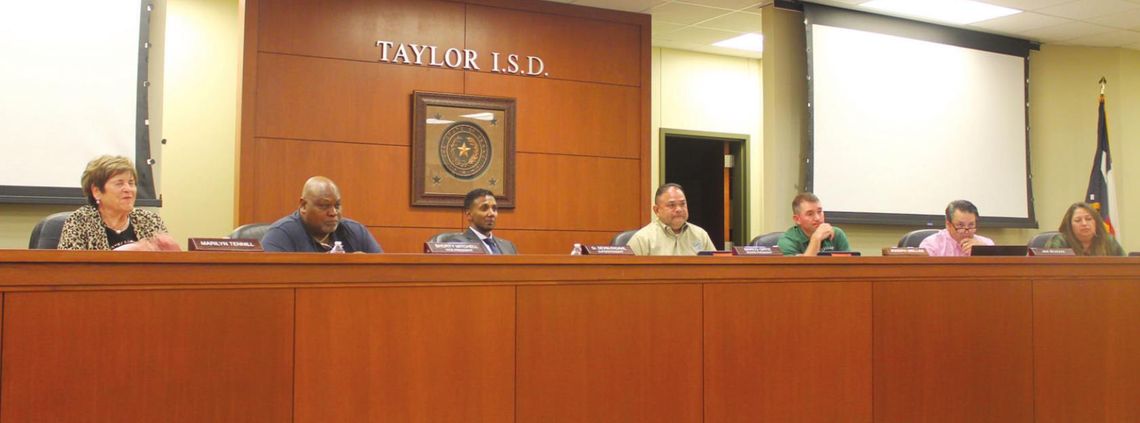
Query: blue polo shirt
{"x": 288, "y": 235}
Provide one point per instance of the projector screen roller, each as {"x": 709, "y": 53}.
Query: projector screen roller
{"x": 903, "y": 123}
{"x": 73, "y": 84}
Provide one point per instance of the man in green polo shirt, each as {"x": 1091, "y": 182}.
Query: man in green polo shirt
{"x": 670, "y": 234}
{"x": 811, "y": 235}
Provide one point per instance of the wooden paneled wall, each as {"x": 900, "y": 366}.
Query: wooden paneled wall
{"x": 317, "y": 100}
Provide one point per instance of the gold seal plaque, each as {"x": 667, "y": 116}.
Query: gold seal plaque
{"x": 459, "y": 143}
{"x": 465, "y": 150}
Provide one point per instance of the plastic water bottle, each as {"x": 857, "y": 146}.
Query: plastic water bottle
{"x": 577, "y": 251}
{"x": 337, "y": 248}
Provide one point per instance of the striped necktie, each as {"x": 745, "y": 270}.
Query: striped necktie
{"x": 492, "y": 245}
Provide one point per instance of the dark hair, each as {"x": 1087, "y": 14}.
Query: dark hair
{"x": 1099, "y": 245}
{"x": 665, "y": 187}
{"x": 473, "y": 195}
{"x": 102, "y": 169}
{"x": 962, "y": 206}
{"x": 803, "y": 197}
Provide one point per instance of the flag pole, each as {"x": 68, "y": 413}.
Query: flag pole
{"x": 1103, "y": 82}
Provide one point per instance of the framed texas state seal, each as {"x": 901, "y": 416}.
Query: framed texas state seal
{"x": 459, "y": 143}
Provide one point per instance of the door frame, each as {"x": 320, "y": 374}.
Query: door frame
{"x": 743, "y": 188}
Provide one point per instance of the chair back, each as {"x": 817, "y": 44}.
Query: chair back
{"x": 1039, "y": 240}
{"x": 448, "y": 237}
{"x": 46, "y": 233}
{"x": 914, "y": 238}
{"x": 250, "y": 231}
{"x": 766, "y": 240}
{"x": 622, "y": 239}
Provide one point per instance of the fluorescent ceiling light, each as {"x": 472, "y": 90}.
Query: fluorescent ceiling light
{"x": 959, "y": 12}
{"x": 487, "y": 116}
{"x": 750, "y": 42}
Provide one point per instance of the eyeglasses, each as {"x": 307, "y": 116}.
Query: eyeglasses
{"x": 965, "y": 228}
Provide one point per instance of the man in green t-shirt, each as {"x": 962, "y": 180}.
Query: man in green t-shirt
{"x": 811, "y": 235}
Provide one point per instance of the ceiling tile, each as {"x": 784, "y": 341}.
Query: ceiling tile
{"x": 1025, "y": 5}
{"x": 642, "y": 6}
{"x": 1109, "y": 39}
{"x": 1020, "y": 22}
{"x": 1066, "y": 31}
{"x": 1086, "y": 9}
{"x": 685, "y": 14}
{"x": 727, "y": 4}
{"x": 738, "y": 22}
{"x": 1123, "y": 20}
{"x": 678, "y": 45}
{"x": 665, "y": 29}
{"x": 703, "y": 36}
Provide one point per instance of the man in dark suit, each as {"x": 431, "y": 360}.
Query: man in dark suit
{"x": 481, "y": 210}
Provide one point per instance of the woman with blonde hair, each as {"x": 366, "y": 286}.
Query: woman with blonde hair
{"x": 1083, "y": 230}
{"x": 110, "y": 220}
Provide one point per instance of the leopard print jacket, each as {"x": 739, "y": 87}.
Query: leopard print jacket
{"x": 84, "y": 229}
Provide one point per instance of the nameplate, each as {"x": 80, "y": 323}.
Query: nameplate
{"x": 1051, "y": 252}
{"x": 224, "y": 244}
{"x": 454, "y": 248}
{"x": 839, "y": 253}
{"x": 607, "y": 250}
{"x": 715, "y": 253}
{"x": 904, "y": 251}
{"x": 757, "y": 250}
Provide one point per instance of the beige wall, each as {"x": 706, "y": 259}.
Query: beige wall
{"x": 1063, "y": 117}
{"x": 203, "y": 52}
{"x": 785, "y": 123}
{"x": 709, "y": 93}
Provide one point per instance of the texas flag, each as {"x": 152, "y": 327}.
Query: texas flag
{"x": 1101, "y": 192}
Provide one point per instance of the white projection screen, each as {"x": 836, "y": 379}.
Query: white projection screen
{"x": 74, "y": 88}
{"x": 908, "y": 116}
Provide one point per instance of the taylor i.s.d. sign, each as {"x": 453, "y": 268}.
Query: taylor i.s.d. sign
{"x": 460, "y": 58}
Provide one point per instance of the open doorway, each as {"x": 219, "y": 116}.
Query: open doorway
{"x": 712, "y": 169}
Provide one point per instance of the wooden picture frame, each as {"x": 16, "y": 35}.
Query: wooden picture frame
{"x": 459, "y": 143}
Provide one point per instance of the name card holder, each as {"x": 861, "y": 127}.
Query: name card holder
{"x": 839, "y": 253}
{"x": 905, "y": 251}
{"x": 1051, "y": 252}
{"x": 757, "y": 250}
{"x": 715, "y": 253}
{"x": 606, "y": 250}
{"x": 454, "y": 248}
{"x": 224, "y": 244}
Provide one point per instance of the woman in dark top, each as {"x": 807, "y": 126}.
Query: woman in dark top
{"x": 110, "y": 221}
{"x": 1084, "y": 231}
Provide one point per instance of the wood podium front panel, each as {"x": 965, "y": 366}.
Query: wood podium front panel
{"x": 148, "y": 356}
{"x": 609, "y": 353}
{"x": 953, "y": 351}
{"x": 442, "y": 354}
{"x": 1087, "y": 350}
{"x": 784, "y": 352}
